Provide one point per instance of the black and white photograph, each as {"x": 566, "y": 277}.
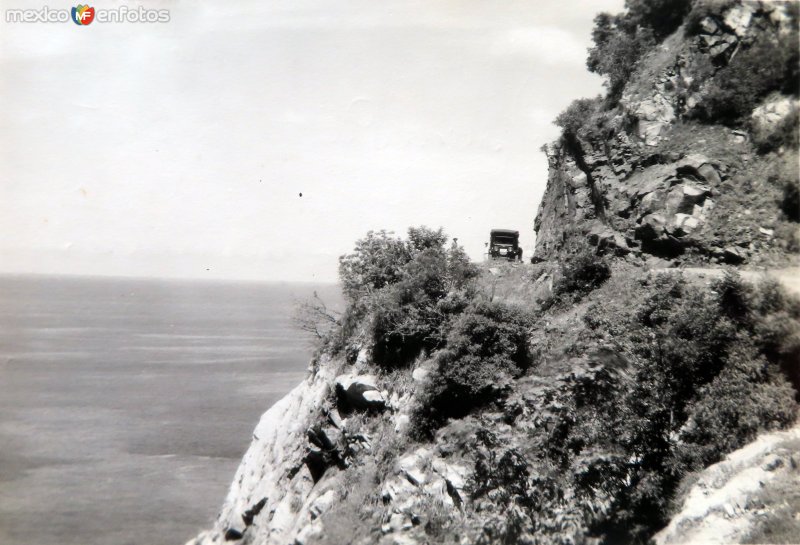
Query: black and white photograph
{"x": 400, "y": 272}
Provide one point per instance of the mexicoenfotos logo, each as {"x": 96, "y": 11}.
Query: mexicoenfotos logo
{"x": 83, "y": 15}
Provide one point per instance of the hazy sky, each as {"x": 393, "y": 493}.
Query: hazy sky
{"x": 180, "y": 149}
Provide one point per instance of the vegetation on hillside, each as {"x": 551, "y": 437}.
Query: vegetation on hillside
{"x": 659, "y": 378}
{"x": 734, "y": 90}
{"x": 621, "y": 40}
{"x": 730, "y": 89}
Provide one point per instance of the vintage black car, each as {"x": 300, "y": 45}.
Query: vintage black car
{"x": 504, "y": 243}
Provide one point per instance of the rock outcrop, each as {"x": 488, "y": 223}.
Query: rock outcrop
{"x": 653, "y": 182}
{"x": 273, "y": 491}
{"x": 291, "y": 476}
{"x": 732, "y": 498}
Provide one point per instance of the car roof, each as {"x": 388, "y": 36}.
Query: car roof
{"x": 504, "y": 232}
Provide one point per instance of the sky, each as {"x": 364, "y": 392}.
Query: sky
{"x": 182, "y": 149}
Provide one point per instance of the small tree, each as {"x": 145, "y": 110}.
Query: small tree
{"x": 582, "y": 273}
{"x": 485, "y": 346}
{"x": 377, "y": 261}
{"x": 578, "y": 114}
{"x": 313, "y": 316}
{"x": 409, "y": 287}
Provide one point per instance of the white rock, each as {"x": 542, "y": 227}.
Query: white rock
{"x": 396, "y": 521}
{"x": 770, "y": 114}
{"x": 411, "y": 465}
{"x": 278, "y": 446}
{"x": 695, "y": 193}
{"x": 362, "y": 359}
{"x": 401, "y": 423}
{"x": 686, "y": 223}
{"x": 360, "y": 391}
{"x": 712, "y": 511}
{"x": 373, "y": 397}
{"x": 738, "y": 18}
{"x": 420, "y": 374}
{"x": 322, "y": 504}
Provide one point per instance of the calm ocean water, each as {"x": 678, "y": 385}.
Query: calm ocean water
{"x": 125, "y": 405}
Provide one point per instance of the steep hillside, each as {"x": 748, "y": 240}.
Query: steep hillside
{"x": 697, "y": 162}
{"x": 590, "y": 396}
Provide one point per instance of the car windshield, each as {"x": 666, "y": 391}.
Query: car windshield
{"x": 504, "y": 240}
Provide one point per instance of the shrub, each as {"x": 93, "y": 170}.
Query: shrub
{"x": 423, "y": 238}
{"x": 582, "y": 273}
{"x": 702, "y": 9}
{"x": 410, "y": 289}
{"x": 663, "y": 17}
{"x": 748, "y": 396}
{"x": 486, "y": 346}
{"x": 685, "y": 374}
{"x": 514, "y": 499}
{"x": 621, "y": 40}
{"x": 377, "y": 261}
{"x": 413, "y": 314}
{"x": 734, "y": 296}
{"x": 577, "y": 115}
{"x": 407, "y": 316}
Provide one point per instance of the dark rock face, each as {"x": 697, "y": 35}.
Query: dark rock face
{"x": 657, "y": 209}
{"x": 250, "y": 514}
{"x": 232, "y": 534}
{"x": 359, "y": 392}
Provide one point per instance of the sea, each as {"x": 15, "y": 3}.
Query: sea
{"x": 127, "y": 404}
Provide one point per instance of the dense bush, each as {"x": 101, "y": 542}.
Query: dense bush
{"x": 694, "y": 373}
{"x": 617, "y": 49}
{"x": 747, "y": 396}
{"x": 574, "y": 119}
{"x": 581, "y": 273}
{"x": 412, "y": 315}
{"x": 513, "y": 498}
{"x": 707, "y": 373}
{"x": 408, "y": 289}
{"x": 376, "y": 261}
{"x": 485, "y": 347}
{"x": 662, "y": 17}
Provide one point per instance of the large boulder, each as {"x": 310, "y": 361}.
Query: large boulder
{"x": 655, "y": 115}
{"x": 684, "y": 224}
{"x": 360, "y": 392}
{"x": 738, "y": 18}
{"x": 683, "y": 198}
{"x": 651, "y": 227}
{"x": 606, "y": 239}
{"x": 322, "y": 504}
{"x": 766, "y": 118}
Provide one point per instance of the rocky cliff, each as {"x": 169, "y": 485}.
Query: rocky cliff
{"x": 667, "y": 172}
{"x": 592, "y": 396}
